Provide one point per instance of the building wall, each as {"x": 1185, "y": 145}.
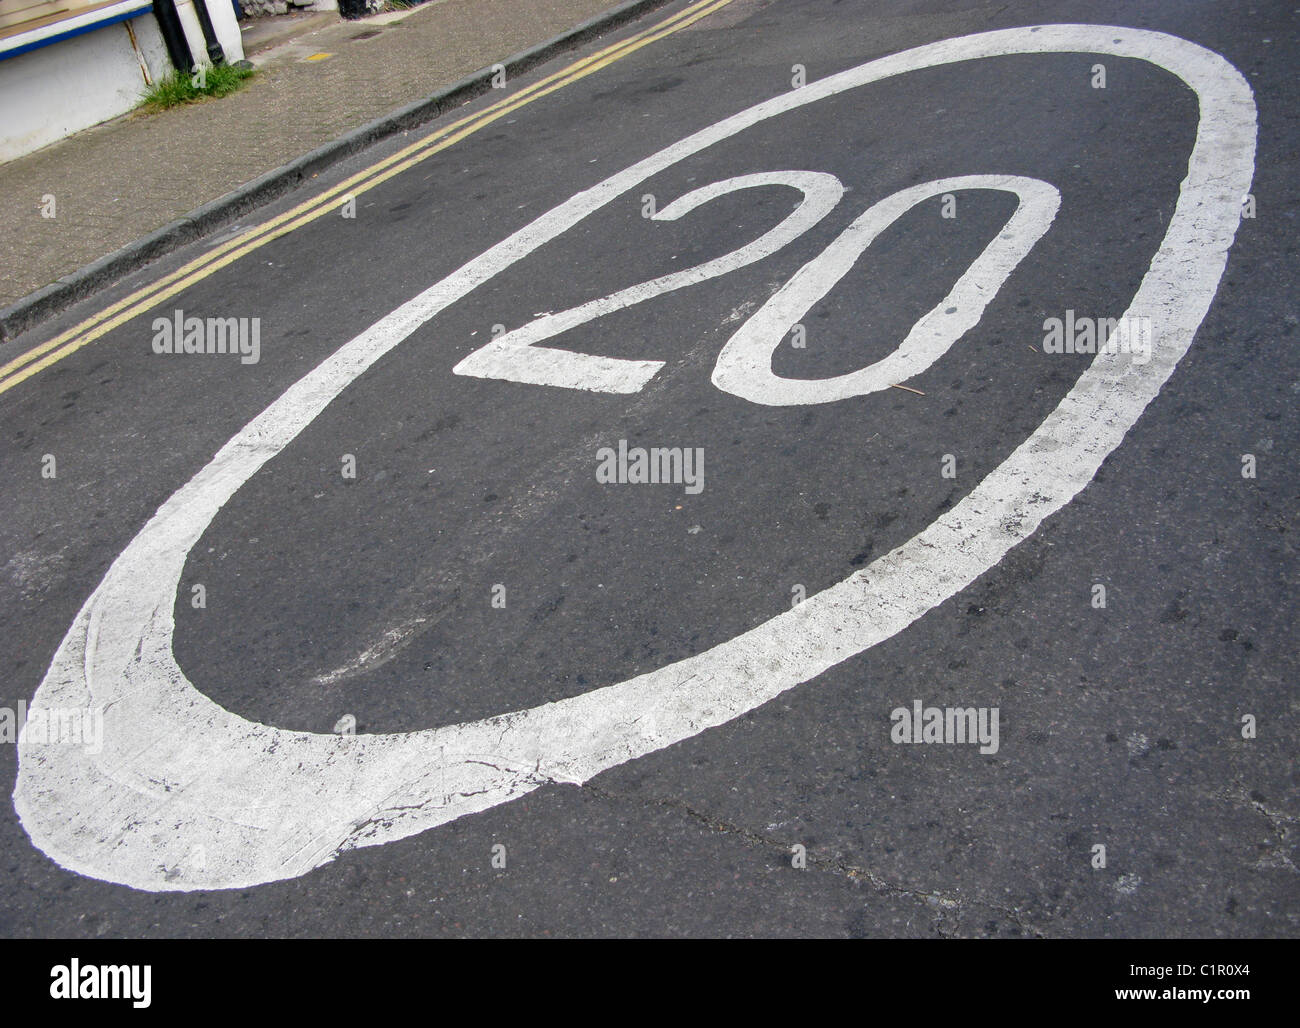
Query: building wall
{"x": 56, "y": 90}
{"x": 49, "y": 93}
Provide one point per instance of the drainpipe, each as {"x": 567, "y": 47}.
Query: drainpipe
{"x": 169, "y": 24}
{"x": 215, "y": 54}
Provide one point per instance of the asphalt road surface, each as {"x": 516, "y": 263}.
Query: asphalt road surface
{"x": 395, "y": 642}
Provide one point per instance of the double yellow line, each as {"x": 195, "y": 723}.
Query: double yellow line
{"x": 37, "y": 359}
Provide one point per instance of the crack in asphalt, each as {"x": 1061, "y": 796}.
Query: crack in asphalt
{"x": 937, "y": 901}
{"x": 1277, "y": 821}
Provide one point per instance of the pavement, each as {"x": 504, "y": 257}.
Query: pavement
{"x": 127, "y": 177}
{"x": 648, "y": 734}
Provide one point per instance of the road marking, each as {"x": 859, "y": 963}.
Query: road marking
{"x": 516, "y": 357}
{"x": 178, "y": 774}
{"x": 38, "y": 358}
{"x": 744, "y": 366}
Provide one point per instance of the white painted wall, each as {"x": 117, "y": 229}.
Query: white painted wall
{"x": 52, "y": 92}
{"x": 56, "y": 90}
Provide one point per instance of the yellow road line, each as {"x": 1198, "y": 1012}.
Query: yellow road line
{"x": 40, "y": 357}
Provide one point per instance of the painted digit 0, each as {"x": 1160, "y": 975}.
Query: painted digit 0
{"x": 744, "y": 366}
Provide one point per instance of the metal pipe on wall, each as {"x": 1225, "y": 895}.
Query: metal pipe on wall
{"x": 215, "y": 54}
{"x": 169, "y": 24}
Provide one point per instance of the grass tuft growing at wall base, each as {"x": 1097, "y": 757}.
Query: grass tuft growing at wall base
{"x": 180, "y": 88}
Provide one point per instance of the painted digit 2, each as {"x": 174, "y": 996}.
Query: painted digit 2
{"x": 515, "y": 357}
{"x": 744, "y": 366}
{"x": 178, "y": 775}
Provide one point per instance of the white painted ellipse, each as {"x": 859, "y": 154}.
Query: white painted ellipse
{"x": 179, "y": 775}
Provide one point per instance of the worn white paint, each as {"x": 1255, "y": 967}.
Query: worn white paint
{"x": 745, "y": 364}
{"x": 515, "y": 356}
{"x": 178, "y": 775}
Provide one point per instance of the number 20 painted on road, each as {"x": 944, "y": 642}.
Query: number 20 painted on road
{"x": 744, "y": 366}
